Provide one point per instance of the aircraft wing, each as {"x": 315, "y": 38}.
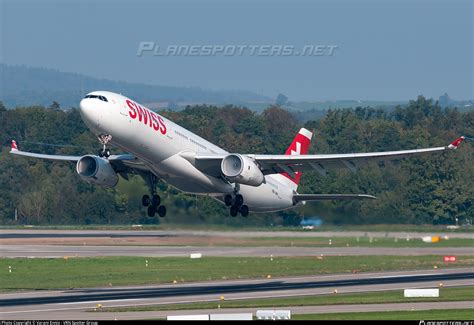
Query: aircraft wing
{"x": 15, "y": 151}
{"x": 326, "y": 197}
{"x": 274, "y": 164}
{"x": 121, "y": 163}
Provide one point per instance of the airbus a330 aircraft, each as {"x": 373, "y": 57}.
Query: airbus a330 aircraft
{"x": 160, "y": 149}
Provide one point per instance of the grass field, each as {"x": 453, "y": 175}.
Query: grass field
{"x": 393, "y": 296}
{"x": 442, "y": 314}
{"x": 112, "y": 271}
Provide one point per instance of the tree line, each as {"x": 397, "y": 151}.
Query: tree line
{"x": 433, "y": 189}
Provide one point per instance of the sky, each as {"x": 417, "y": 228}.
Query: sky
{"x": 382, "y": 50}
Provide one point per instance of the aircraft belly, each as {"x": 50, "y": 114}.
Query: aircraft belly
{"x": 181, "y": 174}
{"x": 183, "y": 184}
{"x": 265, "y": 198}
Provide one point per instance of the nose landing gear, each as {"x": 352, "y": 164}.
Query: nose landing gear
{"x": 236, "y": 205}
{"x": 104, "y": 139}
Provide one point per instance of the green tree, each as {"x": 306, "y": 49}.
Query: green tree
{"x": 281, "y": 100}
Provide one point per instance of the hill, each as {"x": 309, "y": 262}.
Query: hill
{"x": 26, "y": 86}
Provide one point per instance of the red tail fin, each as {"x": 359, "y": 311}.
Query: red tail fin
{"x": 14, "y": 146}
{"x": 299, "y": 146}
{"x": 455, "y": 144}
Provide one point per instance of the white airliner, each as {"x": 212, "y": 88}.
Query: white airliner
{"x": 160, "y": 149}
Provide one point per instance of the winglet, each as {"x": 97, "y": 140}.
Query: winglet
{"x": 455, "y": 144}
{"x": 14, "y": 146}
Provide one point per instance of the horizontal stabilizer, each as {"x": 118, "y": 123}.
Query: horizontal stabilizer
{"x": 325, "y": 197}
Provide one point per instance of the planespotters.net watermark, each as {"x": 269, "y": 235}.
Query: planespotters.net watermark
{"x": 153, "y": 49}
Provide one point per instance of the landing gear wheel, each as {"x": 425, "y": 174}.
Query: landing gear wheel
{"x": 244, "y": 210}
{"x": 161, "y": 211}
{"x": 228, "y": 200}
{"x": 145, "y": 200}
{"x": 239, "y": 200}
{"x": 155, "y": 200}
{"x": 104, "y": 153}
{"x": 104, "y": 139}
{"x": 234, "y": 210}
{"x": 151, "y": 211}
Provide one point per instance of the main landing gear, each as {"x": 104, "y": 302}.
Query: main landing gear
{"x": 154, "y": 202}
{"x": 104, "y": 139}
{"x": 236, "y": 205}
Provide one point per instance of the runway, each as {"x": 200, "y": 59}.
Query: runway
{"x": 48, "y": 233}
{"x": 75, "y": 304}
{"x": 56, "y": 251}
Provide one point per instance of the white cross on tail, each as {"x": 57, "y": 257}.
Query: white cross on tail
{"x": 298, "y": 149}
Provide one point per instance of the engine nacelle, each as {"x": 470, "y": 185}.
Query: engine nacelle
{"x": 241, "y": 169}
{"x": 96, "y": 170}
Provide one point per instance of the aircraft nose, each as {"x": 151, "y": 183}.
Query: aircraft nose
{"x": 86, "y": 109}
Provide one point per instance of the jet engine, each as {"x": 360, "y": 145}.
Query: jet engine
{"x": 242, "y": 169}
{"x": 96, "y": 170}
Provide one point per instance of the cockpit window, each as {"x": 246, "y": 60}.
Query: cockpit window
{"x": 102, "y": 98}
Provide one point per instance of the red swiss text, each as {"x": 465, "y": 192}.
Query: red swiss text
{"x": 146, "y": 116}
